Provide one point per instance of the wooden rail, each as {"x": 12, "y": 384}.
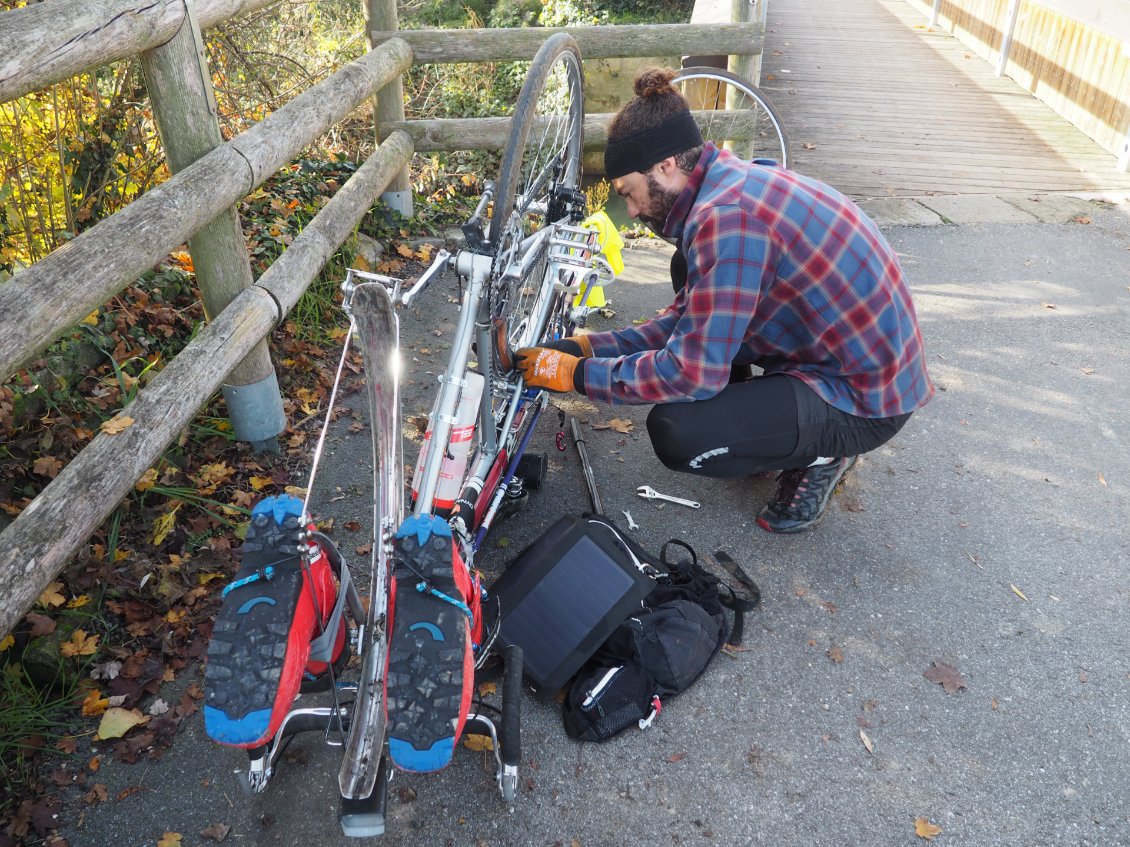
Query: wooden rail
{"x": 447, "y": 134}
{"x": 596, "y": 42}
{"x": 44, "y": 43}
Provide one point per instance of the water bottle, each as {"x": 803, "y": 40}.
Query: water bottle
{"x": 454, "y": 466}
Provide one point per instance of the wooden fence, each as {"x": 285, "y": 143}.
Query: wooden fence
{"x": 52, "y": 40}
{"x": 1078, "y": 69}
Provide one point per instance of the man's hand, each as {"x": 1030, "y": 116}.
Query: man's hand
{"x": 543, "y": 367}
{"x": 574, "y": 345}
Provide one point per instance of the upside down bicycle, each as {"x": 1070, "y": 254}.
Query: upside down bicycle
{"x": 423, "y": 632}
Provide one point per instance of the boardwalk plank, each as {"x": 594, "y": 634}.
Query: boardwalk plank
{"x": 890, "y": 108}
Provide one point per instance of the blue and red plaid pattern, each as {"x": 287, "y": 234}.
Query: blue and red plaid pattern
{"x": 783, "y": 272}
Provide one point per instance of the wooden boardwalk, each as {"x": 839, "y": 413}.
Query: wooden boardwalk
{"x": 880, "y": 106}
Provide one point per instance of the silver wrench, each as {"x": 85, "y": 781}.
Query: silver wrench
{"x": 649, "y": 493}
{"x": 631, "y": 521}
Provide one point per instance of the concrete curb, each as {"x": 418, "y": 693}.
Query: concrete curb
{"x": 936, "y": 210}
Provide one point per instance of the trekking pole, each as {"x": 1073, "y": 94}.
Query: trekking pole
{"x": 590, "y": 480}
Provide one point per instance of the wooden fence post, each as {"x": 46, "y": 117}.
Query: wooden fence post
{"x": 184, "y": 107}
{"x": 747, "y": 11}
{"x": 380, "y": 16}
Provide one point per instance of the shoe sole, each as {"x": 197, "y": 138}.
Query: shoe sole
{"x": 765, "y": 525}
{"x": 428, "y": 651}
{"x": 251, "y": 637}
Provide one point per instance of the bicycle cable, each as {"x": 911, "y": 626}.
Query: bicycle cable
{"x": 326, "y": 425}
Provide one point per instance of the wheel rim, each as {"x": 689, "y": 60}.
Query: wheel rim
{"x": 733, "y": 114}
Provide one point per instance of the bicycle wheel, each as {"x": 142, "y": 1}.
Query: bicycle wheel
{"x": 538, "y": 183}
{"x": 734, "y": 114}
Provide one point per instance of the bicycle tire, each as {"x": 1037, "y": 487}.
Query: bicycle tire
{"x": 750, "y": 124}
{"x": 523, "y": 185}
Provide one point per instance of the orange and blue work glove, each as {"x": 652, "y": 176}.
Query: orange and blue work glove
{"x": 553, "y": 370}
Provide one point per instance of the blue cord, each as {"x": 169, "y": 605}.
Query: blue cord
{"x": 424, "y": 588}
{"x": 264, "y": 573}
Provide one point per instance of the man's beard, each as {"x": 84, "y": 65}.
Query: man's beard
{"x": 661, "y": 200}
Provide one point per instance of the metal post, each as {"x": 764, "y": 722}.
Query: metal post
{"x": 380, "y": 16}
{"x": 1124, "y": 155}
{"x": 184, "y": 107}
{"x": 1006, "y": 38}
{"x": 934, "y": 12}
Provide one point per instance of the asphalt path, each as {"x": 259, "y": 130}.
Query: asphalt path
{"x": 988, "y": 536}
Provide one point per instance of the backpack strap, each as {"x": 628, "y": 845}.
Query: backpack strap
{"x": 740, "y": 605}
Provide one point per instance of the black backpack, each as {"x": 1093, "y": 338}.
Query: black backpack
{"x": 659, "y": 651}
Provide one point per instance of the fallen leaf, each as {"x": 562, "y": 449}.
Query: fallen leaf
{"x": 867, "y": 742}
{"x": 1082, "y": 219}
{"x": 79, "y": 644}
{"x": 1048, "y": 305}
{"x": 1102, "y": 479}
{"x": 116, "y": 722}
{"x": 946, "y": 676}
{"x": 117, "y": 425}
{"x": 478, "y": 743}
{"x": 147, "y": 481}
{"x": 51, "y": 596}
{"x": 47, "y": 466}
{"x": 364, "y": 549}
{"x": 675, "y": 757}
{"x": 6, "y": 642}
{"x": 924, "y": 829}
{"x": 94, "y": 703}
{"x": 619, "y": 425}
{"x": 164, "y": 524}
{"x": 78, "y": 602}
{"x": 169, "y": 839}
{"x": 352, "y": 526}
{"x": 217, "y": 831}
{"x": 488, "y": 688}
{"x": 836, "y": 654}
{"x": 807, "y": 146}
{"x": 1018, "y": 592}
{"x": 40, "y": 624}
{"x": 258, "y": 483}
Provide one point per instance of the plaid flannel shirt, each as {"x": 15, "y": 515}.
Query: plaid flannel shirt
{"x": 783, "y": 272}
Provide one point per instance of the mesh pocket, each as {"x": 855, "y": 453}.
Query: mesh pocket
{"x": 603, "y": 702}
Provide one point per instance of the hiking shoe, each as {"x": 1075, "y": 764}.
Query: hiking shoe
{"x": 430, "y": 660}
{"x": 260, "y": 646}
{"x": 802, "y": 496}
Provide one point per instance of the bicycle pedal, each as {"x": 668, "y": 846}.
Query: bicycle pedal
{"x": 430, "y": 665}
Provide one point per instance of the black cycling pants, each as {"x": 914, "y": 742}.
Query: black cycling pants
{"x": 759, "y": 424}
